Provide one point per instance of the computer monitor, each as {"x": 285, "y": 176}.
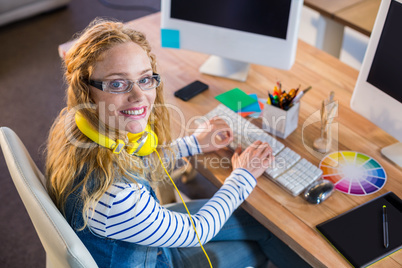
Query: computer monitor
{"x": 378, "y": 91}
{"x": 236, "y": 33}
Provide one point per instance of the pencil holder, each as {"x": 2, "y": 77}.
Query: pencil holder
{"x": 279, "y": 122}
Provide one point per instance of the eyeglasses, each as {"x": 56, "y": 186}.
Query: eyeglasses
{"x": 119, "y": 86}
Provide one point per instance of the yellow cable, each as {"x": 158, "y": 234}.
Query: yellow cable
{"x": 191, "y": 219}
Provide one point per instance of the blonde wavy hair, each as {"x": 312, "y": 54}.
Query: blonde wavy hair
{"x": 69, "y": 152}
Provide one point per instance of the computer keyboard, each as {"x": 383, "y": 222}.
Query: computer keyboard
{"x": 288, "y": 170}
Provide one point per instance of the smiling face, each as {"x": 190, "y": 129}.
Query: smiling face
{"x": 127, "y": 112}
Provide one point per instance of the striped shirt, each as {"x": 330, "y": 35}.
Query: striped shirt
{"x": 128, "y": 211}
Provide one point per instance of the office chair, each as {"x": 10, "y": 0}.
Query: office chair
{"x": 63, "y": 247}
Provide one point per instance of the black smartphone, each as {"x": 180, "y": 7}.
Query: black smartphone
{"x": 191, "y": 90}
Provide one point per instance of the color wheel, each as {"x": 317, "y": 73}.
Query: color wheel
{"x": 353, "y": 173}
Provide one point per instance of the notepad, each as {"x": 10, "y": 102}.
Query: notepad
{"x": 235, "y": 99}
{"x": 254, "y": 110}
{"x": 358, "y": 234}
{"x": 254, "y": 107}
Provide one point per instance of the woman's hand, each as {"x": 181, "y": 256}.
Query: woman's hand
{"x": 213, "y": 135}
{"x": 255, "y": 159}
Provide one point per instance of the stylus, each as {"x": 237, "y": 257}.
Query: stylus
{"x": 385, "y": 226}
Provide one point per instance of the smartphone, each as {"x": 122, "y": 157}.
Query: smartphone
{"x": 191, "y": 90}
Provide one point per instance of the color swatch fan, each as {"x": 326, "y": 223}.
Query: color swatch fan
{"x": 353, "y": 173}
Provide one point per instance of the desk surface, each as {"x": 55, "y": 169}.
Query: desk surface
{"x": 357, "y": 14}
{"x": 360, "y": 16}
{"x": 330, "y": 7}
{"x": 290, "y": 218}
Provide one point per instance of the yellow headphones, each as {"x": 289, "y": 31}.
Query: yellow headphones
{"x": 140, "y": 144}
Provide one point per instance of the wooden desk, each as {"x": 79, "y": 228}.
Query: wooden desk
{"x": 329, "y": 7}
{"x": 359, "y": 15}
{"x": 356, "y": 14}
{"x": 290, "y": 218}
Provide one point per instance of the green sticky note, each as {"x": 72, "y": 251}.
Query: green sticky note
{"x": 170, "y": 38}
{"x": 235, "y": 99}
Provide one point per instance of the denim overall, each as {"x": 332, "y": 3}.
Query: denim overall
{"x": 109, "y": 252}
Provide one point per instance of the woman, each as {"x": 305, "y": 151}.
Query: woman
{"x": 106, "y": 195}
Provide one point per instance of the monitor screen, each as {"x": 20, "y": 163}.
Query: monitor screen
{"x": 385, "y": 72}
{"x": 237, "y": 15}
{"x": 235, "y": 33}
{"x": 378, "y": 91}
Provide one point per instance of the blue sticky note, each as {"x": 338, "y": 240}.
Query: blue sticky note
{"x": 255, "y": 107}
{"x": 170, "y": 38}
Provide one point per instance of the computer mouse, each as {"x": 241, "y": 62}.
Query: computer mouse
{"x": 319, "y": 191}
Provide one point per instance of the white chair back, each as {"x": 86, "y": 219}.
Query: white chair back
{"x": 63, "y": 247}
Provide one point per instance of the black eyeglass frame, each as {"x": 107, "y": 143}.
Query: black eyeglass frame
{"x": 99, "y": 84}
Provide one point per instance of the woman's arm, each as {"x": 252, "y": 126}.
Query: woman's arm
{"x": 129, "y": 213}
{"x": 187, "y": 146}
{"x": 210, "y": 136}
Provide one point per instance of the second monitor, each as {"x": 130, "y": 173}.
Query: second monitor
{"x": 378, "y": 91}
{"x": 236, "y": 33}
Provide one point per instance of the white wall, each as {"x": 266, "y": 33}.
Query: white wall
{"x": 353, "y": 48}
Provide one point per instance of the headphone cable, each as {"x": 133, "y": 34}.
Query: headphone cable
{"x": 191, "y": 219}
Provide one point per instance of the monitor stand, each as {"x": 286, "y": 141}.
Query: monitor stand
{"x": 227, "y": 68}
{"x": 393, "y": 153}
